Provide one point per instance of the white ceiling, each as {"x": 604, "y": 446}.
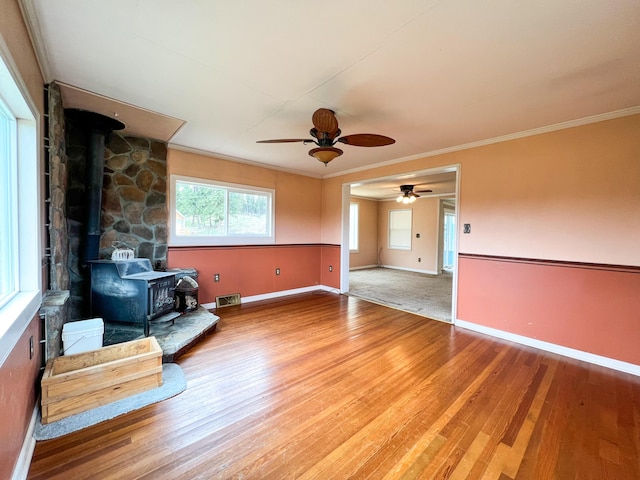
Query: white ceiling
{"x": 433, "y": 75}
{"x": 441, "y": 183}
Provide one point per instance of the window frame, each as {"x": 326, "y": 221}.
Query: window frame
{"x": 18, "y": 311}
{"x": 222, "y": 240}
{"x": 409, "y": 231}
{"x": 354, "y": 227}
{"x": 8, "y": 196}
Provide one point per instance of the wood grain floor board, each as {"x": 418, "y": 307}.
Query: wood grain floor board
{"x": 323, "y": 386}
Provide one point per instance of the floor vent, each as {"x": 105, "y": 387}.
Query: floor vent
{"x": 228, "y": 300}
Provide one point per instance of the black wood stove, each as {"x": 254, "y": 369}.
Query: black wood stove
{"x": 130, "y": 291}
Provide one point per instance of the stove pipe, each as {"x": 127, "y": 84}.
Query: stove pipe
{"x": 96, "y": 127}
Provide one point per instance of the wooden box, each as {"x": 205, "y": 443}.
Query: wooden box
{"x": 75, "y": 383}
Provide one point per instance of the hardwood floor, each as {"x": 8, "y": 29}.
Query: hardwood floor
{"x": 327, "y": 386}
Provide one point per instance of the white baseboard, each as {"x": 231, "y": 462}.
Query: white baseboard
{"x": 21, "y": 469}
{"x": 282, "y": 293}
{"x": 553, "y": 348}
{"x": 364, "y": 267}
{"x": 428, "y": 272}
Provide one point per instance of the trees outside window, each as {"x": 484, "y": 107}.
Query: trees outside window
{"x": 206, "y": 212}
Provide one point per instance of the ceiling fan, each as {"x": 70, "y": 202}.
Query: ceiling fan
{"x": 408, "y": 194}
{"x": 326, "y": 134}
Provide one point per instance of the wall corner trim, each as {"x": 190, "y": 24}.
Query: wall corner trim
{"x": 553, "y": 348}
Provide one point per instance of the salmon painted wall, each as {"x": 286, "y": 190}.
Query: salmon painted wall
{"x": 571, "y": 195}
{"x": 367, "y": 254}
{"x": 19, "y": 375}
{"x": 330, "y": 257}
{"x": 589, "y": 308}
{"x": 423, "y": 255}
{"x": 19, "y": 390}
{"x": 251, "y": 270}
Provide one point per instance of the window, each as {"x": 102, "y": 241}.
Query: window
{"x": 400, "y": 229}
{"x": 20, "y": 214}
{"x": 205, "y": 212}
{"x": 353, "y": 227}
{"x": 449, "y": 237}
{"x": 8, "y": 213}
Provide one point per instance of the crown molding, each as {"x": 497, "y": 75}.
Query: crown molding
{"x": 30, "y": 16}
{"x": 503, "y": 138}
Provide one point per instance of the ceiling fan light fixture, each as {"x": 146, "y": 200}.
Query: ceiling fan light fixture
{"x": 326, "y": 133}
{"x": 325, "y": 154}
{"x": 407, "y": 195}
{"x": 406, "y": 198}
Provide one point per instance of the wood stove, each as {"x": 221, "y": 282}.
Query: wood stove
{"x": 130, "y": 291}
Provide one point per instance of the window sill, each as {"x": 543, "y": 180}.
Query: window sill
{"x": 15, "y": 317}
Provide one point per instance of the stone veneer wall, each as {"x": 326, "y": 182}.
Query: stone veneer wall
{"x": 134, "y": 208}
{"x": 134, "y": 202}
{"x": 58, "y": 238}
{"x": 55, "y": 308}
{"x": 134, "y": 211}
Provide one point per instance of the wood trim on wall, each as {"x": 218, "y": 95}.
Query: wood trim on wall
{"x": 561, "y": 263}
{"x": 270, "y": 245}
{"x": 592, "y": 308}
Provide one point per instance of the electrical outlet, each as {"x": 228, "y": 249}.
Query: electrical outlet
{"x": 419, "y": 259}
{"x": 216, "y": 277}
{"x": 467, "y": 228}
{"x": 277, "y": 271}
{"x": 31, "y": 351}
{"x": 331, "y": 268}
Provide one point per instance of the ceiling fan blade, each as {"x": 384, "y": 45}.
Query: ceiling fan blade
{"x": 286, "y": 140}
{"x": 325, "y": 121}
{"x": 366, "y": 140}
{"x": 423, "y": 191}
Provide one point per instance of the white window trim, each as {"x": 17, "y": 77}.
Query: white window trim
{"x": 400, "y": 247}
{"x": 357, "y": 228}
{"x": 176, "y": 240}
{"x": 18, "y": 312}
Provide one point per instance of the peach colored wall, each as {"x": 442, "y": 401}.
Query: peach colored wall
{"x": 19, "y": 374}
{"x": 570, "y": 195}
{"x": 425, "y": 222}
{"x": 581, "y": 307}
{"x": 331, "y": 213}
{"x": 15, "y": 35}
{"x": 567, "y": 195}
{"x": 251, "y": 270}
{"x": 367, "y": 253}
{"x": 297, "y": 205}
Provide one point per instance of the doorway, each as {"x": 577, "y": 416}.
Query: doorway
{"x": 430, "y": 260}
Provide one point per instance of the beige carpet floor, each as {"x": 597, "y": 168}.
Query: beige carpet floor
{"x": 426, "y": 295}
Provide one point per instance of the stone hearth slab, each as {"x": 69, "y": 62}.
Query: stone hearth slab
{"x": 174, "y": 338}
